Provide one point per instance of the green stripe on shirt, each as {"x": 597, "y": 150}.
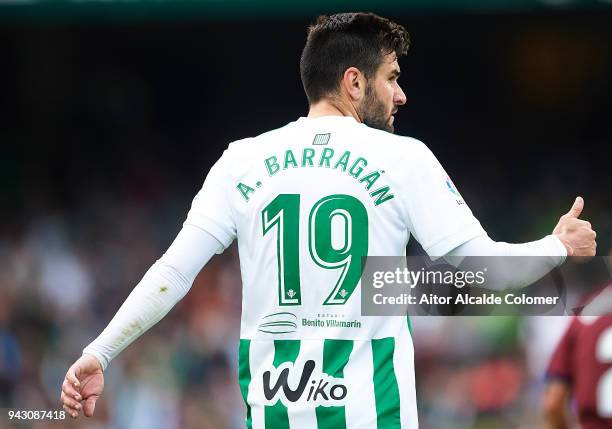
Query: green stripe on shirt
{"x": 276, "y": 416}
{"x": 386, "y": 391}
{"x": 335, "y": 357}
{"x": 244, "y": 376}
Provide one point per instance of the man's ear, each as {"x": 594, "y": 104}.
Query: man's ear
{"x": 353, "y": 83}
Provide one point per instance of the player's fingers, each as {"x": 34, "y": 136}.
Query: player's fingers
{"x": 69, "y": 402}
{"x": 71, "y": 376}
{"x": 573, "y": 224}
{"x": 90, "y": 405}
{"x": 576, "y": 208}
{"x": 69, "y": 390}
{"x": 70, "y": 412}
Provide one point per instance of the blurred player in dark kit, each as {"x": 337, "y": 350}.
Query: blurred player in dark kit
{"x": 580, "y": 371}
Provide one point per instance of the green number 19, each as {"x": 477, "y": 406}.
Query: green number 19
{"x": 284, "y": 211}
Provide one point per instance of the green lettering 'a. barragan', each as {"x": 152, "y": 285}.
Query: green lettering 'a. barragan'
{"x": 244, "y": 190}
{"x": 344, "y": 162}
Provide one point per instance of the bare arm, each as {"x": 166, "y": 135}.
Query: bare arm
{"x": 555, "y": 405}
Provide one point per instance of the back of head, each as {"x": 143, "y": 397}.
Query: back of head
{"x": 345, "y": 40}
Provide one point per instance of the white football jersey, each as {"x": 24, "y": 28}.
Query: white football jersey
{"x": 306, "y": 202}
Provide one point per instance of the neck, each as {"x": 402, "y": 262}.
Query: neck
{"x": 333, "y": 107}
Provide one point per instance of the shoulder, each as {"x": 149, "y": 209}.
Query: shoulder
{"x": 237, "y": 147}
{"x": 394, "y": 140}
{"x": 404, "y": 149}
{"x": 247, "y": 146}
{"x": 239, "y": 154}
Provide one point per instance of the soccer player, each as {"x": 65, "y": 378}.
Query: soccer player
{"x": 581, "y": 369}
{"x": 305, "y": 202}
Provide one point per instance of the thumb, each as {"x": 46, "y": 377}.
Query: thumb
{"x": 576, "y": 208}
{"x": 90, "y": 405}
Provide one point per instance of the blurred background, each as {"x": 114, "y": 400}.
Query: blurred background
{"x": 112, "y": 113}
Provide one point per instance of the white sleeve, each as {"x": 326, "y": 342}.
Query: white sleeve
{"x": 438, "y": 217}
{"x": 211, "y": 208}
{"x": 163, "y": 285}
{"x": 510, "y": 265}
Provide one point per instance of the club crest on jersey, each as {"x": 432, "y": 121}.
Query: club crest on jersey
{"x": 285, "y": 383}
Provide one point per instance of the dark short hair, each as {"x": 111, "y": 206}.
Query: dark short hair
{"x": 345, "y": 40}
